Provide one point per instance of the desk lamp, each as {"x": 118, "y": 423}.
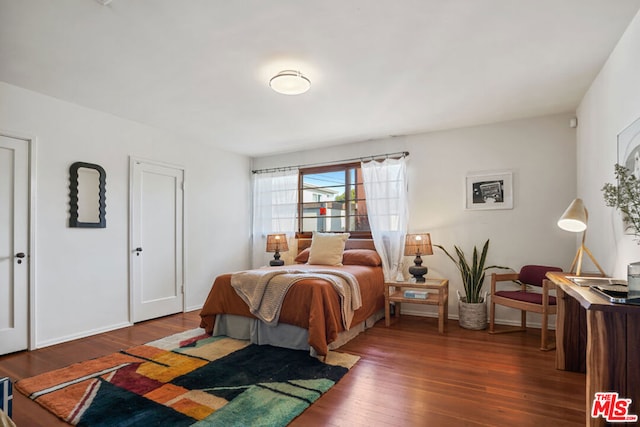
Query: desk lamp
{"x": 575, "y": 219}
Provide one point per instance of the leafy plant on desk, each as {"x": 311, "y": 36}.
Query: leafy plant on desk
{"x": 473, "y": 273}
{"x": 625, "y": 197}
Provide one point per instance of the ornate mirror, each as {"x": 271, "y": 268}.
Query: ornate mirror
{"x": 87, "y": 200}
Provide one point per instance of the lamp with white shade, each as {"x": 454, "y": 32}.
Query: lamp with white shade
{"x": 575, "y": 219}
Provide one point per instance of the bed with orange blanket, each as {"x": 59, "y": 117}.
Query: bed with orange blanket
{"x": 311, "y": 309}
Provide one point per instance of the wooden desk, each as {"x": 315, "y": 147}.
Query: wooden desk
{"x": 599, "y": 338}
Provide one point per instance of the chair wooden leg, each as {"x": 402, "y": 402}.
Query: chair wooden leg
{"x": 544, "y": 334}
{"x": 492, "y": 314}
{"x": 492, "y": 322}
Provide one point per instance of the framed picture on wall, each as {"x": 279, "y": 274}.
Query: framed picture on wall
{"x": 629, "y": 156}
{"x": 489, "y": 190}
{"x": 629, "y": 148}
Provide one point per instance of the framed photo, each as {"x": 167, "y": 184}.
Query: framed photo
{"x": 489, "y": 190}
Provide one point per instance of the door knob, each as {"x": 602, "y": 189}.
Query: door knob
{"x": 138, "y": 250}
{"x": 20, "y": 255}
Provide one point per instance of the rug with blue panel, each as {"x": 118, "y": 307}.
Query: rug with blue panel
{"x": 188, "y": 379}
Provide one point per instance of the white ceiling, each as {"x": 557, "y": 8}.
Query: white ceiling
{"x": 201, "y": 68}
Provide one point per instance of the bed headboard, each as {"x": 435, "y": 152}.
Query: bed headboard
{"x": 350, "y": 244}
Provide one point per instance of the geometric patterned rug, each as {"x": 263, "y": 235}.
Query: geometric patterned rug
{"x": 188, "y": 379}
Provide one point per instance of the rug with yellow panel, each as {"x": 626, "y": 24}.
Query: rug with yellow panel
{"x": 188, "y": 379}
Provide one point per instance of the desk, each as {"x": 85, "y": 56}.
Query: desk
{"x": 599, "y": 338}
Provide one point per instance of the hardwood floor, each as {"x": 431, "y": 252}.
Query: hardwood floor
{"x": 408, "y": 375}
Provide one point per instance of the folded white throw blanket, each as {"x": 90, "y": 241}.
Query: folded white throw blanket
{"x": 264, "y": 290}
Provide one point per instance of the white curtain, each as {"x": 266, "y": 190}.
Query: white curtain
{"x": 275, "y": 204}
{"x": 386, "y": 189}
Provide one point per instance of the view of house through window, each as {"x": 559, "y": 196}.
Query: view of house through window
{"x": 332, "y": 199}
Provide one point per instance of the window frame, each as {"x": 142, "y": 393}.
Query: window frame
{"x": 348, "y": 185}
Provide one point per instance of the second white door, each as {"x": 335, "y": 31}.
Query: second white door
{"x": 14, "y": 244}
{"x": 156, "y": 244}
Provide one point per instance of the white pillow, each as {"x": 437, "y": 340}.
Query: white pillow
{"x": 327, "y": 248}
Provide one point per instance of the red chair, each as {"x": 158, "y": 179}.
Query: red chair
{"x": 525, "y": 299}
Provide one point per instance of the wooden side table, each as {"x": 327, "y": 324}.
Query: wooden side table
{"x": 441, "y": 299}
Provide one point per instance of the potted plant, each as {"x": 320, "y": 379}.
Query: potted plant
{"x": 472, "y": 307}
{"x": 625, "y": 197}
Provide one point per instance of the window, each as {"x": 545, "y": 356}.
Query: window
{"x": 332, "y": 199}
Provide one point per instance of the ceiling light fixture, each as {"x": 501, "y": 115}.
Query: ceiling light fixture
{"x": 290, "y": 82}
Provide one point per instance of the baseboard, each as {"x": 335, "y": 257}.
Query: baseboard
{"x": 534, "y": 325}
{"x": 83, "y": 334}
{"x": 421, "y": 313}
{"x": 504, "y": 322}
{"x": 193, "y": 308}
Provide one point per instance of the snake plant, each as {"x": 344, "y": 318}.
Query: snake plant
{"x": 473, "y": 273}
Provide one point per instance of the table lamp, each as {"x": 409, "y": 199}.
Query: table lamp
{"x": 418, "y": 244}
{"x": 277, "y": 243}
{"x": 575, "y": 219}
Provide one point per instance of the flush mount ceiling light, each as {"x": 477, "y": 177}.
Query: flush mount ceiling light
{"x": 290, "y": 82}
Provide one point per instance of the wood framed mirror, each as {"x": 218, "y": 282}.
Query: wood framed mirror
{"x": 87, "y": 196}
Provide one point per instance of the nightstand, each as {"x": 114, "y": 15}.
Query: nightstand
{"x": 441, "y": 298}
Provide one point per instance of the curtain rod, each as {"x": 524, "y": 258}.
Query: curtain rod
{"x": 361, "y": 159}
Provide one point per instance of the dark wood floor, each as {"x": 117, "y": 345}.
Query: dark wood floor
{"x": 408, "y": 375}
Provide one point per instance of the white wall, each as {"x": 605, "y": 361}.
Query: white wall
{"x": 611, "y": 104}
{"x": 82, "y": 274}
{"x": 540, "y": 152}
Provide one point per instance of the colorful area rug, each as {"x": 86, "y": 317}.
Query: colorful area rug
{"x": 188, "y": 379}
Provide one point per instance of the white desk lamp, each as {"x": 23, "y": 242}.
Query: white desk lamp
{"x": 575, "y": 219}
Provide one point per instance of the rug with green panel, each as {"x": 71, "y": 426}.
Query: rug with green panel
{"x": 188, "y": 379}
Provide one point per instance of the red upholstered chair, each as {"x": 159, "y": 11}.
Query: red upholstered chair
{"x": 525, "y": 299}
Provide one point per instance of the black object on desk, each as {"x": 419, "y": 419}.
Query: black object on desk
{"x": 618, "y": 294}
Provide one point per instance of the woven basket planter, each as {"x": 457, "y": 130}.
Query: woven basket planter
{"x": 472, "y": 315}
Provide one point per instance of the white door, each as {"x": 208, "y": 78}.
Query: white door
{"x": 14, "y": 244}
{"x": 156, "y": 244}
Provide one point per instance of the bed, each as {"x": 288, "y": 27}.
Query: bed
{"x": 311, "y": 316}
